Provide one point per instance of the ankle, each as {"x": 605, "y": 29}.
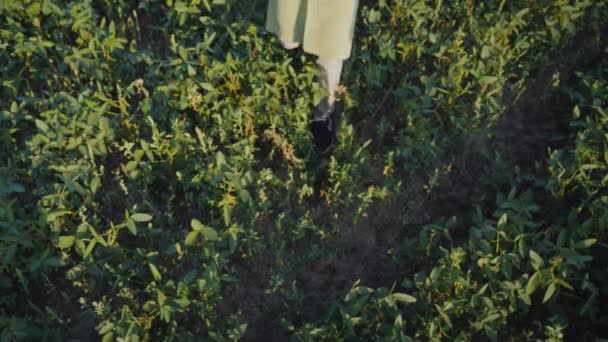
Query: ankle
{"x": 290, "y": 45}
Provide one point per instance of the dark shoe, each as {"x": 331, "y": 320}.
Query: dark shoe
{"x": 324, "y": 131}
{"x": 323, "y": 135}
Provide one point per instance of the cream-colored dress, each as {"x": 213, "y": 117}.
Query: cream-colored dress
{"x": 323, "y": 27}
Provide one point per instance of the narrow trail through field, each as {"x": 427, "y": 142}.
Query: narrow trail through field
{"x": 521, "y": 138}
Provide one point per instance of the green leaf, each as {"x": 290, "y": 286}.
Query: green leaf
{"x": 196, "y": 225}
{"x": 491, "y": 333}
{"x": 207, "y": 86}
{"x": 132, "y": 165}
{"x": 191, "y": 238}
{"x": 75, "y": 272}
{"x": 502, "y": 220}
{"x": 208, "y": 232}
{"x": 139, "y": 217}
{"x": 89, "y": 248}
{"x": 66, "y": 241}
{"x": 132, "y": 227}
{"x": 398, "y": 324}
{"x": 226, "y": 212}
{"x": 585, "y": 243}
{"x": 109, "y": 337}
{"x": 98, "y": 237}
{"x": 95, "y": 184}
{"x": 161, "y": 298}
{"x": 577, "y": 112}
{"x": 183, "y": 54}
{"x": 190, "y": 276}
{"x": 549, "y": 293}
{"x": 565, "y": 284}
{"x": 486, "y": 80}
{"x": 146, "y": 147}
{"x": 105, "y": 328}
{"x": 485, "y": 52}
{"x": 41, "y": 125}
{"x": 404, "y": 298}
{"x": 191, "y": 71}
{"x": 54, "y": 215}
{"x": 155, "y": 272}
{"x": 104, "y": 125}
{"x": 535, "y": 260}
{"x": 532, "y": 283}
{"x": 525, "y": 298}
{"x": 491, "y": 317}
{"x": 587, "y": 167}
{"x": 182, "y": 303}
{"x": 112, "y": 31}
{"x": 228, "y": 278}
{"x": 522, "y": 13}
{"x": 574, "y": 258}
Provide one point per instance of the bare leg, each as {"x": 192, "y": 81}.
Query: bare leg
{"x": 290, "y": 45}
{"x": 329, "y": 78}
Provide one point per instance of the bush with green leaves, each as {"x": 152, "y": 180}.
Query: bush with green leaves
{"x": 151, "y": 152}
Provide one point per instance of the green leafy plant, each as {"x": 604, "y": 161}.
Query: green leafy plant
{"x": 158, "y": 179}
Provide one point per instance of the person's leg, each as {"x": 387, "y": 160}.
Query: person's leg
{"x": 329, "y": 35}
{"x": 329, "y": 79}
{"x": 324, "y": 28}
{"x": 287, "y": 45}
{"x": 322, "y": 126}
